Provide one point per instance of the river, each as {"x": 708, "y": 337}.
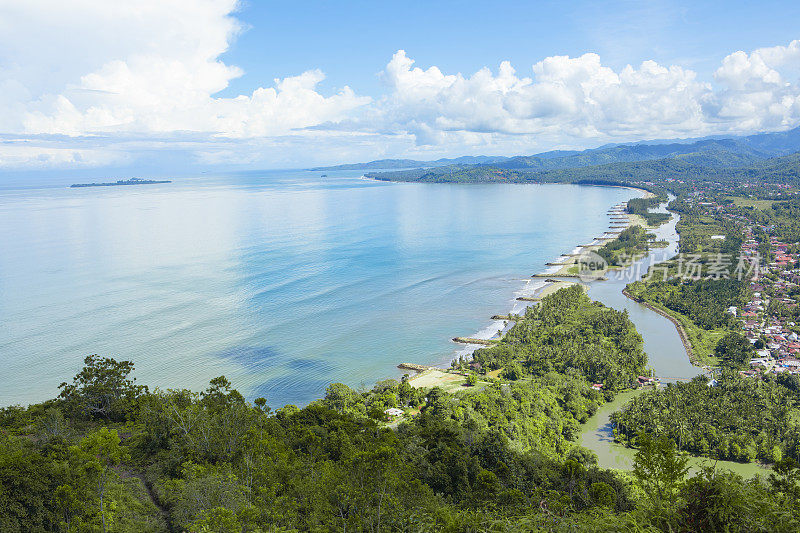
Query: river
{"x": 665, "y": 354}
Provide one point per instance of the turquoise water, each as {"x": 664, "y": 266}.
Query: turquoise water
{"x": 282, "y": 281}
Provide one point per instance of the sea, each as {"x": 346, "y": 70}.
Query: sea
{"x": 282, "y": 281}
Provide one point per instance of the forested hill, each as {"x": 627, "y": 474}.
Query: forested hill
{"x": 383, "y": 164}
{"x": 728, "y": 152}
{"x": 495, "y": 455}
{"x": 716, "y": 166}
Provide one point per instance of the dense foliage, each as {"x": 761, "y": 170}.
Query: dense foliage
{"x": 495, "y": 457}
{"x": 497, "y": 460}
{"x": 641, "y": 207}
{"x": 705, "y": 168}
{"x": 568, "y": 332}
{"x": 704, "y": 301}
{"x": 633, "y": 242}
{"x": 730, "y": 418}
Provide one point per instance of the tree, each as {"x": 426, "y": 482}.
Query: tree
{"x": 603, "y": 494}
{"x": 472, "y": 379}
{"x": 785, "y": 480}
{"x": 102, "y": 450}
{"x": 221, "y": 395}
{"x": 734, "y": 350}
{"x": 341, "y": 398}
{"x": 659, "y": 469}
{"x": 102, "y": 389}
{"x": 512, "y": 371}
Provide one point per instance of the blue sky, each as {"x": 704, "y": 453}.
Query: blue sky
{"x": 352, "y": 41}
{"x": 96, "y": 84}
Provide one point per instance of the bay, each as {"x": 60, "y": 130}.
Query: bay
{"x": 284, "y": 281}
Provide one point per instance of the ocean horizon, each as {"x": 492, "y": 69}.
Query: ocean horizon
{"x": 283, "y": 281}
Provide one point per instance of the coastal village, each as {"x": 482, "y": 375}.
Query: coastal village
{"x": 773, "y": 270}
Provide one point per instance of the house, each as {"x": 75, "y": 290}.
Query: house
{"x": 597, "y": 386}
{"x": 393, "y": 412}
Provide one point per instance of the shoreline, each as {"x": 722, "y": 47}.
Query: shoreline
{"x": 556, "y": 268}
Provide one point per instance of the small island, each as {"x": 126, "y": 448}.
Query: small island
{"x": 132, "y": 181}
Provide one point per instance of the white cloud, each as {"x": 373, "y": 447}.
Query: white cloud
{"x": 93, "y": 74}
{"x": 25, "y": 154}
{"x": 159, "y": 74}
{"x": 571, "y": 99}
{"x": 761, "y": 89}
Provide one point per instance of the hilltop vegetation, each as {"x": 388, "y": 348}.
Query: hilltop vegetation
{"x": 111, "y": 455}
{"x": 784, "y": 169}
{"x": 730, "y": 152}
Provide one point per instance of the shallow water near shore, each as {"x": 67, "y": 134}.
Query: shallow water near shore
{"x": 283, "y": 281}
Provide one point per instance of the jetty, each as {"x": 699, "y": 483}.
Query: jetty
{"x": 470, "y": 340}
{"x": 511, "y": 318}
{"x": 528, "y": 299}
{"x": 413, "y": 366}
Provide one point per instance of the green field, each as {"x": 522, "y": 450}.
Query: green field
{"x": 751, "y": 202}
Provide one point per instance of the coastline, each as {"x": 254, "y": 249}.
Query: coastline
{"x": 526, "y": 296}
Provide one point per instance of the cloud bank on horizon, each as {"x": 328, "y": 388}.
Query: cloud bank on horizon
{"x": 113, "y": 80}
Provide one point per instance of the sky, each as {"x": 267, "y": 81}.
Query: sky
{"x": 157, "y": 85}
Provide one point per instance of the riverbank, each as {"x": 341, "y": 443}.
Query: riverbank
{"x": 687, "y": 345}
{"x": 597, "y": 434}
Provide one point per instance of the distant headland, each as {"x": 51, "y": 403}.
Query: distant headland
{"x": 132, "y": 181}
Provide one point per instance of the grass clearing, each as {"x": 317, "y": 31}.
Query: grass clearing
{"x": 446, "y": 381}
{"x": 751, "y": 202}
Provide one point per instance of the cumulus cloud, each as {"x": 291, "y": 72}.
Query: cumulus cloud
{"x": 760, "y": 88}
{"x": 580, "y": 98}
{"x": 161, "y": 73}
{"x": 153, "y": 69}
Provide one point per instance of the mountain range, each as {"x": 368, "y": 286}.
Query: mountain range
{"x": 729, "y": 152}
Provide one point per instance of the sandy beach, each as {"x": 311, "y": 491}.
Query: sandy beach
{"x": 563, "y": 266}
